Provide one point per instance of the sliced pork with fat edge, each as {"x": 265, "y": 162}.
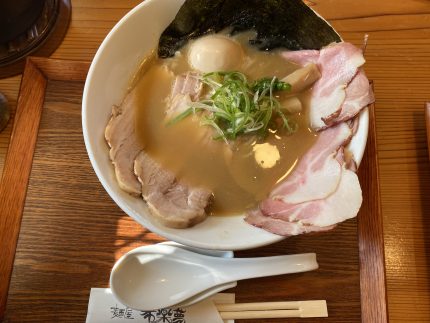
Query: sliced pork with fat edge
{"x": 343, "y": 204}
{"x": 312, "y": 216}
{"x": 321, "y": 192}
{"x": 338, "y": 64}
{"x": 359, "y": 94}
{"x": 174, "y": 204}
{"x": 124, "y": 146}
{"x": 317, "y": 173}
{"x": 280, "y": 227}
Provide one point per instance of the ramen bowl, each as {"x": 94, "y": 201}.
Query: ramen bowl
{"x": 133, "y": 38}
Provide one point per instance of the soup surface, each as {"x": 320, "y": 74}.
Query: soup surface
{"x": 241, "y": 173}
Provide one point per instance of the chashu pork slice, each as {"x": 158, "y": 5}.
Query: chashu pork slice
{"x": 174, "y": 204}
{"x": 186, "y": 89}
{"x": 187, "y": 83}
{"x": 317, "y": 174}
{"x": 338, "y": 64}
{"x": 359, "y": 94}
{"x": 343, "y": 204}
{"x": 314, "y": 216}
{"x": 280, "y": 227}
{"x": 321, "y": 196}
{"x": 124, "y": 145}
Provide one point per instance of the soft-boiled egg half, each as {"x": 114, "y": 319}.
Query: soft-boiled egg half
{"x": 215, "y": 53}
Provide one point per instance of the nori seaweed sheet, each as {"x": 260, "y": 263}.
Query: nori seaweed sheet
{"x": 278, "y": 23}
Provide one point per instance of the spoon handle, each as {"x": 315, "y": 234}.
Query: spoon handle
{"x": 244, "y": 268}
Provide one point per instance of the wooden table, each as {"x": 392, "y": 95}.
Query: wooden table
{"x": 398, "y": 60}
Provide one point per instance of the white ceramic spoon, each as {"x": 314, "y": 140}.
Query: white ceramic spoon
{"x": 205, "y": 294}
{"x": 159, "y": 276}
{"x": 210, "y": 291}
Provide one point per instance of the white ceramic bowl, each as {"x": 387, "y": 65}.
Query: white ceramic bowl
{"x": 116, "y": 61}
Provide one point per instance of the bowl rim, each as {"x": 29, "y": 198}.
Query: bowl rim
{"x": 359, "y": 152}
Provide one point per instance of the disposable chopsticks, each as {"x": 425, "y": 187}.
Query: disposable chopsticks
{"x": 273, "y": 310}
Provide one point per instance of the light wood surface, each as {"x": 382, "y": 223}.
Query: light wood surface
{"x": 398, "y": 60}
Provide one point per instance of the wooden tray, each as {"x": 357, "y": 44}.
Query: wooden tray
{"x": 427, "y": 114}
{"x": 71, "y": 232}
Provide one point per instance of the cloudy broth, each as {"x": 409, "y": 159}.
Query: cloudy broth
{"x": 240, "y": 174}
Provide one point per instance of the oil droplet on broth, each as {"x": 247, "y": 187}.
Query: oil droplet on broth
{"x": 266, "y": 155}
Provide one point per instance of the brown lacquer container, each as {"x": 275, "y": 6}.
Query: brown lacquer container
{"x": 17, "y": 16}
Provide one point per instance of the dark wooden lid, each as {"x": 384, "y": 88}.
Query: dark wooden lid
{"x": 17, "y": 16}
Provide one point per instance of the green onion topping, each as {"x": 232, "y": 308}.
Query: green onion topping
{"x": 237, "y": 107}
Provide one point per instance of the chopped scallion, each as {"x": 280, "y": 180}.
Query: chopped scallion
{"x": 236, "y": 106}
